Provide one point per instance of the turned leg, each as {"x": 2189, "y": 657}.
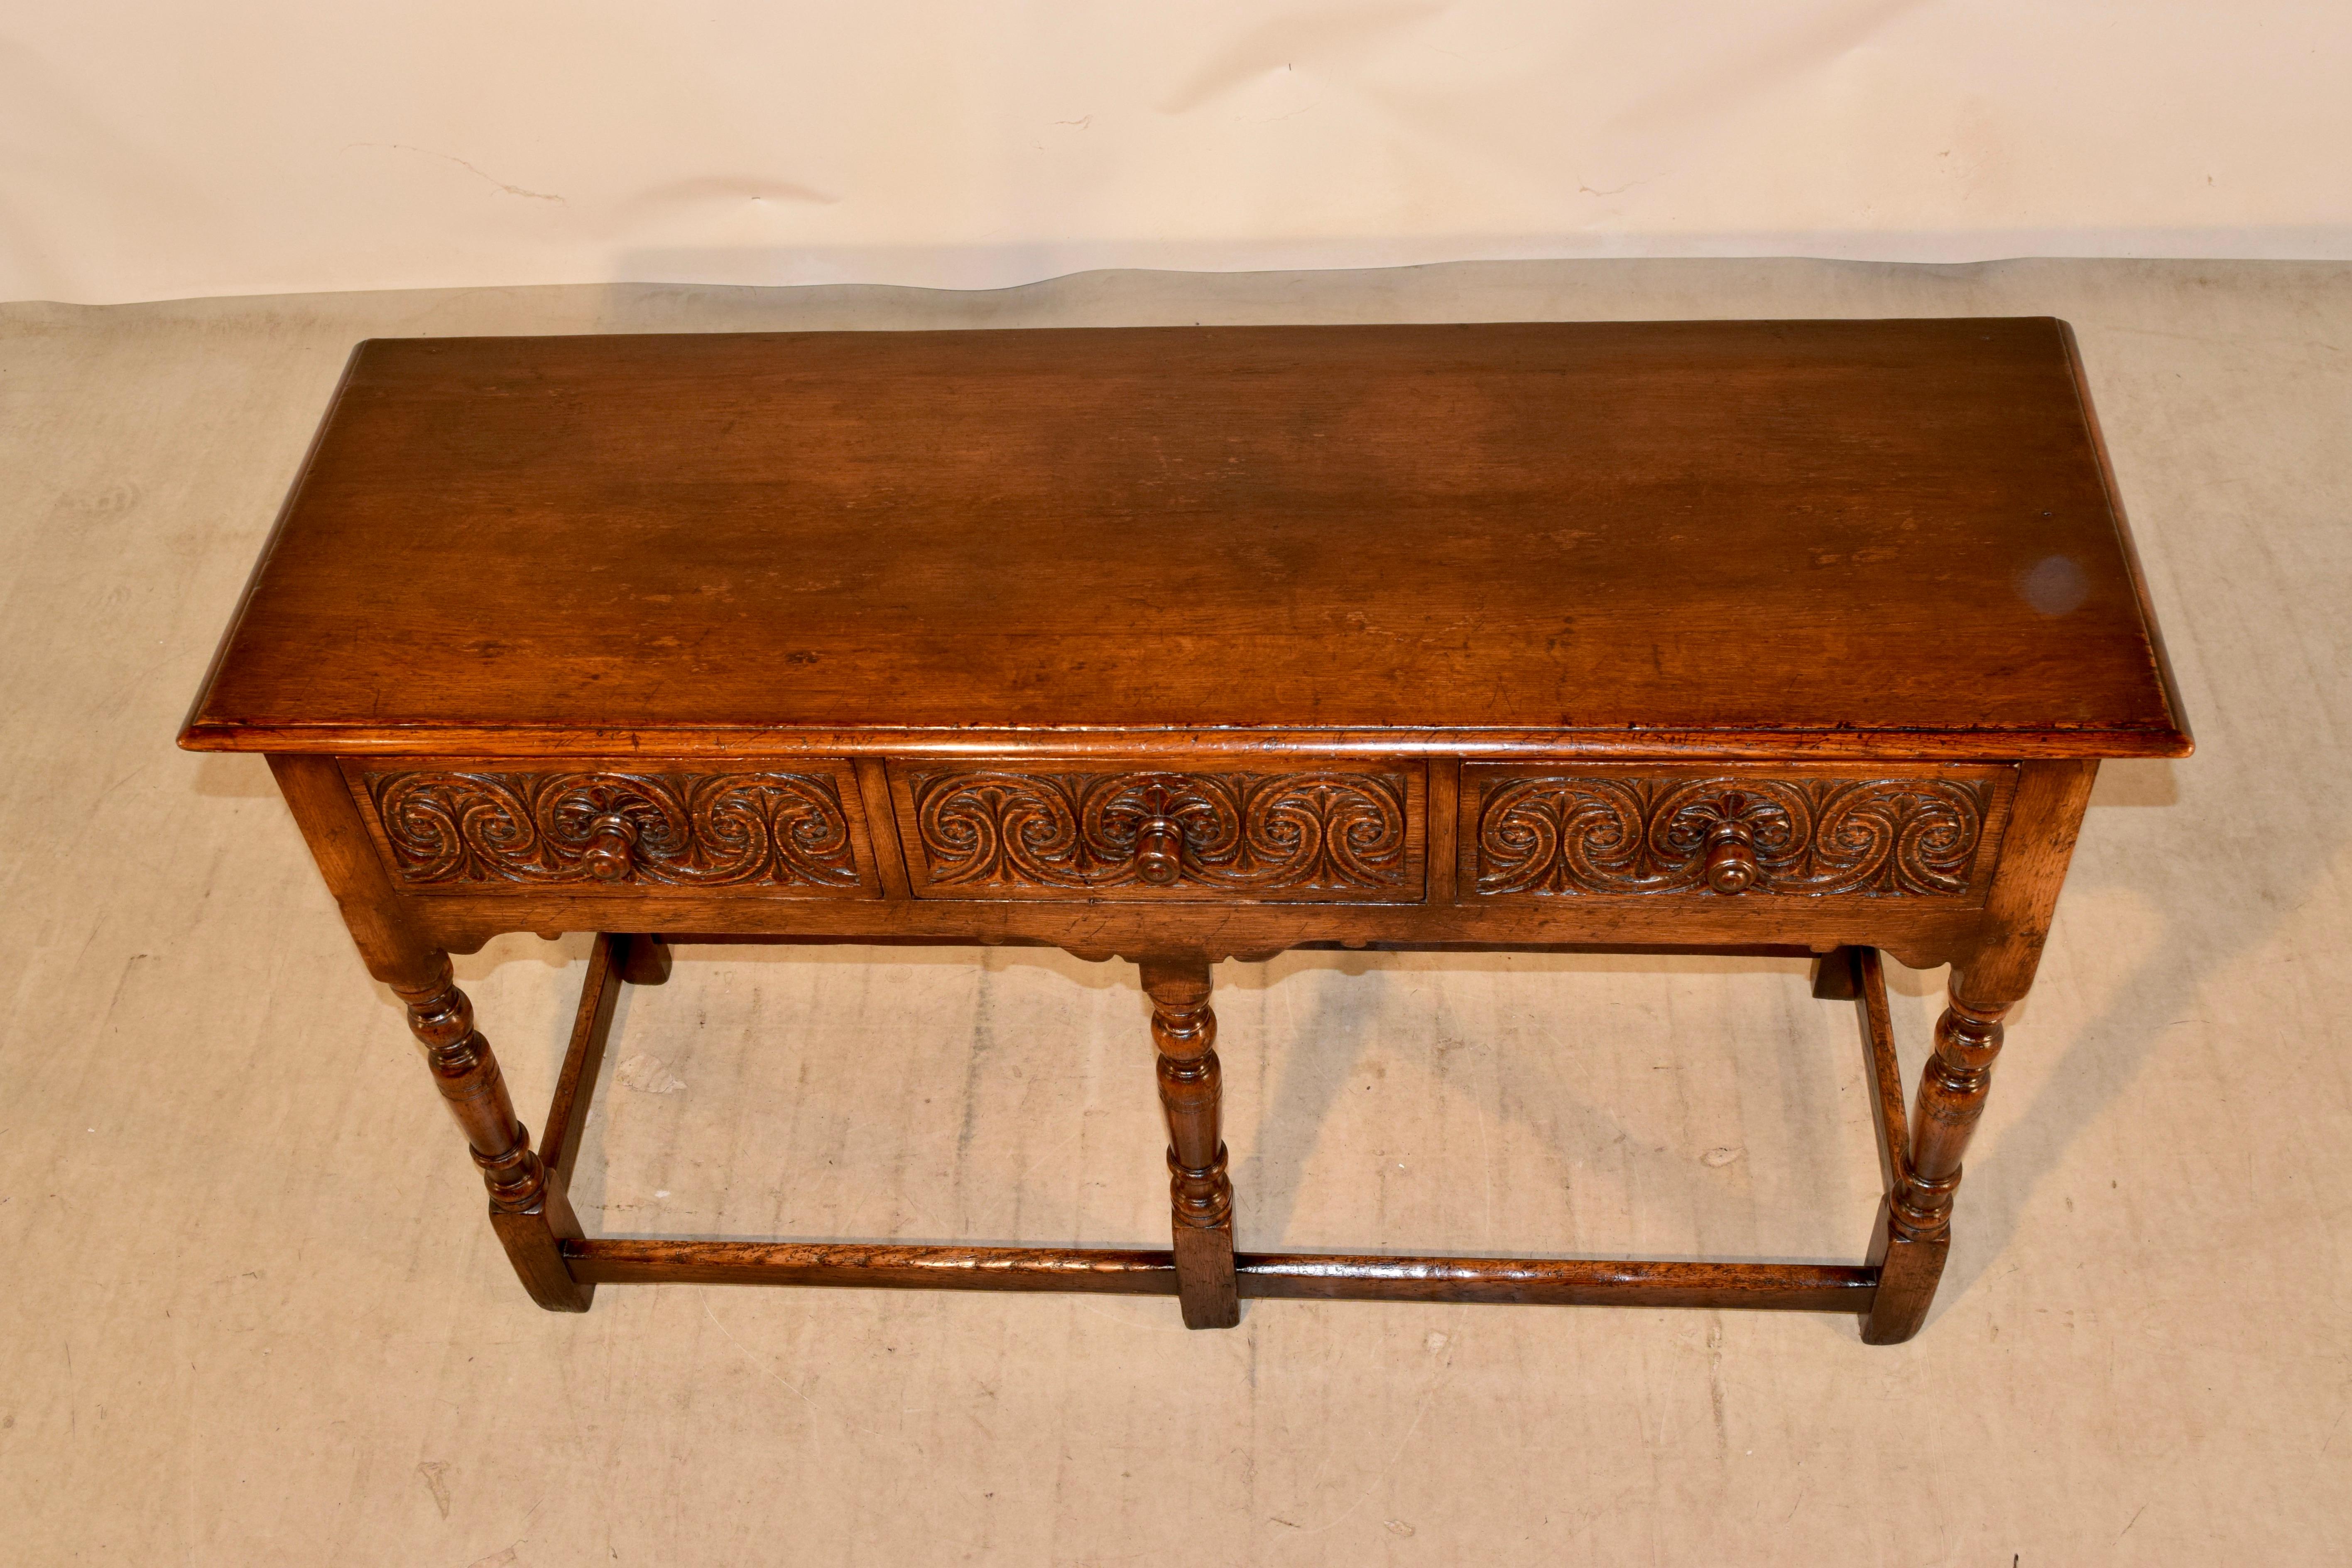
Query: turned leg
{"x": 1918, "y": 1232}
{"x": 531, "y": 1218}
{"x": 2044, "y": 816}
{"x": 1185, "y": 1031}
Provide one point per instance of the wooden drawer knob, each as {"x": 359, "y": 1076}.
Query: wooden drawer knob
{"x": 1159, "y": 846}
{"x": 1730, "y": 859}
{"x": 611, "y": 848}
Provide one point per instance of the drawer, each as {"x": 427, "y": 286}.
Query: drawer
{"x": 1343, "y": 831}
{"x": 1761, "y": 832}
{"x": 792, "y": 829}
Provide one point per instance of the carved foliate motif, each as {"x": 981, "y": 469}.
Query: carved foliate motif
{"x": 450, "y": 829}
{"x": 1619, "y": 835}
{"x": 1253, "y": 832}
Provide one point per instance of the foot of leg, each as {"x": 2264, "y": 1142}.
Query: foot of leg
{"x": 530, "y": 1217}
{"x": 1190, "y": 1087}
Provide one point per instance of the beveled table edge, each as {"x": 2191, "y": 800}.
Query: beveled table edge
{"x": 1566, "y": 743}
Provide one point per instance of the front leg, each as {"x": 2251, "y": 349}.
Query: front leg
{"x": 531, "y": 1217}
{"x": 1918, "y": 1234}
{"x": 1191, "y": 1089}
{"x": 2044, "y": 817}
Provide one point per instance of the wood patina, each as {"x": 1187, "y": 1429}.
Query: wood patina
{"x": 1188, "y": 645}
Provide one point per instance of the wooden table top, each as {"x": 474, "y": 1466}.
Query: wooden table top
{"x": 1740, "y": 537}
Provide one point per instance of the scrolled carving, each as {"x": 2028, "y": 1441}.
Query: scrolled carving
{"x": 1729, "y": 835}
{"x": 1251, "y": 833}
{"x": 450, "y": 829}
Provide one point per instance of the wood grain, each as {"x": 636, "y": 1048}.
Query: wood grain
{"x": 591, "y": 1030}
{"x": 1920, "y": 932}
{"x": 530, "y": 1215}
{"x": 1192, "y": 1088}
{"x": 1449, "y": 528}
{"x": 1526, "y": 1281}
{"x": 867, "y": 1265}
{"x": 1560, "y": 1283}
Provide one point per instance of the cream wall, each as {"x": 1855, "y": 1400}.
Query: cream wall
{"x": 156, "y": 149}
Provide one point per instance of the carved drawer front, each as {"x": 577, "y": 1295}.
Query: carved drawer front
{"x": 791, "y": 829}
{"x": 1346, "y": 831}
{"x": 1760, "y": 831}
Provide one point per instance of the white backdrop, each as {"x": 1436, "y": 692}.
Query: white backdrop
{"x": 157, "y": 148}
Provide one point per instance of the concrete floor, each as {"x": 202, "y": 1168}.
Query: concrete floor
{"x": 253, "y": 1314}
